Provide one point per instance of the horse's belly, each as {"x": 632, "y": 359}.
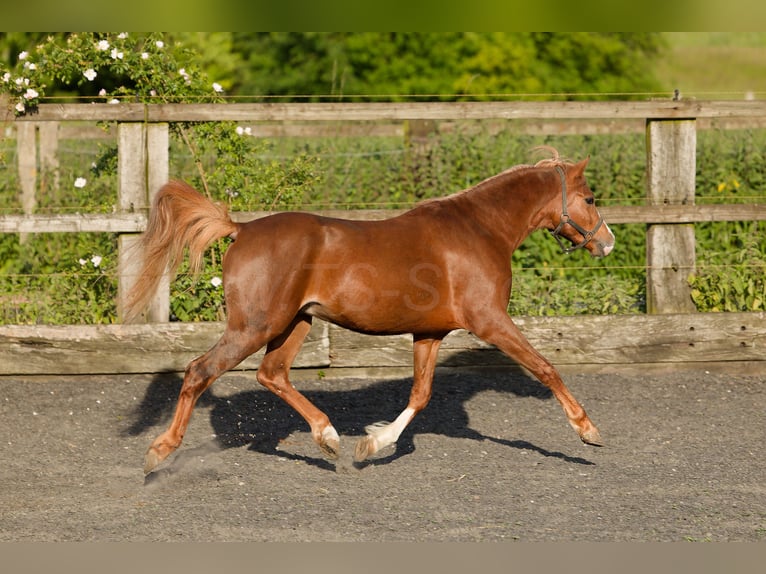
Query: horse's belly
{"x": 383, "y": 315}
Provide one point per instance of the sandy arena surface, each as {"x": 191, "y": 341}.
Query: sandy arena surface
{"x": 492, "y": 458}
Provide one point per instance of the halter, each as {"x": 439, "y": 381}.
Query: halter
{"x": 587, "y": 235}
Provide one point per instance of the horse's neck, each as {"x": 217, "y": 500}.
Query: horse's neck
{"x": 509, "y": 205}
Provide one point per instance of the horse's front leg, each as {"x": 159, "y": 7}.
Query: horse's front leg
{"x": 506, "y": 336}
{"x": 381, "y": 435}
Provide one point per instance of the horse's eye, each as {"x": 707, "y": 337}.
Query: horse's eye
{"x": 590, "y": 200}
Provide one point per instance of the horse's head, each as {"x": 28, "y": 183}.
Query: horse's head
{"x": 575, "y": 217}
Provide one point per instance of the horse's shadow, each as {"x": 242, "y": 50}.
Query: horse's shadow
{"x": 261, "y": 421}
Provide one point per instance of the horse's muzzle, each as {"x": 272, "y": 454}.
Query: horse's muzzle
{"x": 601, "y": 247}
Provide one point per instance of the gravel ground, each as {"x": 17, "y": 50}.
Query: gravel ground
{"x": 492, "y": 458}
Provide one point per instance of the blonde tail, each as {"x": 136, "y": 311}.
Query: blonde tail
{"x": 180, "y": 218}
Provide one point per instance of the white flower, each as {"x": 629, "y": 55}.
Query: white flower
{"x": 30, "y": 94}
{"x": 19, "y": 81}
{"x": 103, "y": 45}
{"x": 114, "y": 101}
{"x": 159, "y": 43}
{"x": 240, "y": 130}
{"x": 216, "y": 281}
{"x": 30, "y": 66}
{"x": 96, "y": 260}
{"x": 80, "y": 182}
{"x": 117, "y": 55}
{"x": 23, "y": 55}
{"x": 20, "y": 107}
{"x": 144, "y": 55}
{"x": 217, "y": 87}
{"x": 7, "y": 77}
{"x": 102, "y": 92}
{"x": 122, "y": 35}
{"x": 90, "y": 73}
{"x": 82, "y": 262}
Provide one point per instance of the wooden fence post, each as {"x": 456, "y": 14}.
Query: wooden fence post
{"x": 670, "y": 248}
{"x": 49, "y": 160}
{"x": 26, "y": 159}
{"x": 142, "y": 167}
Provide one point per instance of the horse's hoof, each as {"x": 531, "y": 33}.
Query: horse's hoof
{"x": 592, "y": 437}
{"x": 365, "y": 448}
{"x": 329, "y": 443}
{"x": 331, "y": 449}
{"x": 151, "y": 460}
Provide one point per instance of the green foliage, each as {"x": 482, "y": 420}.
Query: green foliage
{"x": 731, "y": 256}
{"x": 720, "y": 284}
{"x": 231, "y": 166}
{"x": 566, "y": 292}
{"x": 442, "y": 65}
{"x": 47, "y": 280}
{"x": 198, "y": 298}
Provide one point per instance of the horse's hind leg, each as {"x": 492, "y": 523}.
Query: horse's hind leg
{"x": 273, "y": 374}
{"x": 231, "y": 349}
{"x": 381, "y": 435}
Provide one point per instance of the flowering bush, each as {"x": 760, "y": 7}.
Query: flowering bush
{"x": 146, "y": 68}
{"x": 110, "y": 68}
{"x": 228, "y": 164}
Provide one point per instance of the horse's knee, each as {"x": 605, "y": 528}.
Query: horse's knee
{"x": 548, "y": 375}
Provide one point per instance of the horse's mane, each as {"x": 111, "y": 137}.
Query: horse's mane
{"x": 553, "y": 161}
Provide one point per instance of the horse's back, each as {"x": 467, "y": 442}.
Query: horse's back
{"x": 371, "y": 276}
{"x": 290, "y": 230}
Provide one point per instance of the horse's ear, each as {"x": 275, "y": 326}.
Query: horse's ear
{"x": 581, "y": 165}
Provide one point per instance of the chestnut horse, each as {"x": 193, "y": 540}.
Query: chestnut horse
{"x": 443, "y": 265}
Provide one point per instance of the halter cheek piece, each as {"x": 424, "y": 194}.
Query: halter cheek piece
{"x": 587, "y": 235}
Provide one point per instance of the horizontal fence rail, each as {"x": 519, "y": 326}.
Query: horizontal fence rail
{"x": 354, "y": 112}
{"x": 136, "y": 222}
{"x": 668, "y": 336}
{"x": 732, "y": 342}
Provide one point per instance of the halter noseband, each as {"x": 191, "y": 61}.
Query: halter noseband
{"x": 587, "y": 235}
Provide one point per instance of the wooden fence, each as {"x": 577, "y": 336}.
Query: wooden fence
{"x": 670, "y": 335}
